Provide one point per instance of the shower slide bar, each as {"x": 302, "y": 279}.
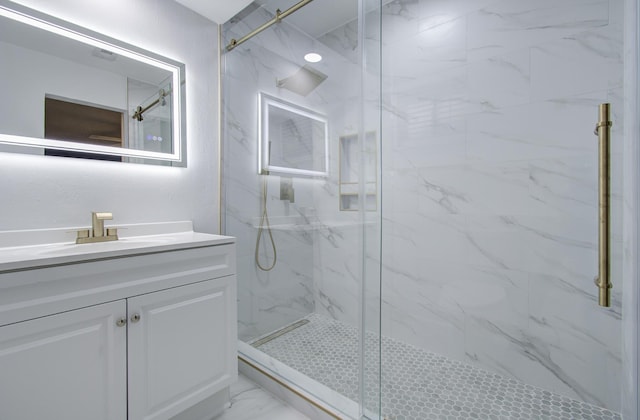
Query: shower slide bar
{"x": 137, "y": 115}
{"x": 277, "y": 18}
{"x": 603, "y": 131}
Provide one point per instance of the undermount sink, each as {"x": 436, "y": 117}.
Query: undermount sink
{"x": 151, "y": 239}
{"x": 33, "y": 248}
{"x": 123, "y": 243}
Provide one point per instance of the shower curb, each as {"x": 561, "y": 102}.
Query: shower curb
{"x": 297, "y": 398}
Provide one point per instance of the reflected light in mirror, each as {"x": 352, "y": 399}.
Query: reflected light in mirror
{"x": 176, "y": 154}
{"x": 301, "y": 144}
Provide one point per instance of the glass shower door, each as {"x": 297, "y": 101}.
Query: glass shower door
{"x": 490, "y": 209}
{"x": 307, "y": 238}
{"x": 371, "y": 212}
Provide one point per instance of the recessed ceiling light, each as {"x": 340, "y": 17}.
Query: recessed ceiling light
{"x": 313, "y": 57}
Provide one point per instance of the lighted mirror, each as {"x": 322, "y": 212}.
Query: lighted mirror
{"x": 68, "y": 91}
{"x": 293, "y": 139}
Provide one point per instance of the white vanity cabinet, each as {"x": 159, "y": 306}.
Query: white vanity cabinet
{"x": 178, "y": 348}
{"x": 71, "y": 365}
{"x": 146, "y": 336}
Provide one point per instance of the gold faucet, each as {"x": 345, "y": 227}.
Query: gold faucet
{"x": 97, "y": 232}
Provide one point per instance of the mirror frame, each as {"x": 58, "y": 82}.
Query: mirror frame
{"x": 264, "y": 166}
{"x": 64, "y": 28}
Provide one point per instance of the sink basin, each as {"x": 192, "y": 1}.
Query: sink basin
{"x": 66, "y": 248}
{"x": 152, "y": 239}
{"x": 174, "y": 236}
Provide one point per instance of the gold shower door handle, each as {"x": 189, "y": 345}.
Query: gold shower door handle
{"x": 603, "y": 131}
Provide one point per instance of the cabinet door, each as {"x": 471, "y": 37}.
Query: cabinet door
{"x": 182, "y": 347}
{"x": 68, "y": 366}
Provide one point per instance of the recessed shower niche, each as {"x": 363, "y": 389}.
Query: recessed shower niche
{"x": 350, "y": 152}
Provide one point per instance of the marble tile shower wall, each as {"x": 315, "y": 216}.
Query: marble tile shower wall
{"x": 490, "y": 186}
{"x": 489, "y": 193}
{"x": 306, "y": 243}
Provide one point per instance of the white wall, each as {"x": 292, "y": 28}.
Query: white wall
{"x": 28, "y": 76}
{"x": 40, "y": 192}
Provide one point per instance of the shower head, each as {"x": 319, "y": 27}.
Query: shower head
{"x": 303, "y": 82}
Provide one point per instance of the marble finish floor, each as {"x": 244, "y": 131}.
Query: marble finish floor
{"x": 417, "y": 385}
{"x": 250, "y": 402}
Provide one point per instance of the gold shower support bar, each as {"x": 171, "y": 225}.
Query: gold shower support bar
{"x": 137, "y": 115}
{"x": 603, "y": 131}
{"x": 277, "y": 18}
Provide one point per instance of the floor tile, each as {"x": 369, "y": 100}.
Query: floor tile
{"x": 250, "y": 402}
{"x": 416, "y": 384}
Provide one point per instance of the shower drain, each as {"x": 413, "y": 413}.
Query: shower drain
{"x": 279, "y": 332}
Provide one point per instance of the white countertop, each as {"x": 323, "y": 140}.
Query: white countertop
{"x": 27, "y": 249}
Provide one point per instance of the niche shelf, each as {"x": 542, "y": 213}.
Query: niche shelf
{"x": 349, "y": 179}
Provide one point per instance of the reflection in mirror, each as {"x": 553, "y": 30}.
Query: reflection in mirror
{"x": 71, "y": 92}
{"x": 293, "y": 140}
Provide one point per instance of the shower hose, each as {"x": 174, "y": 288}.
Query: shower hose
{"x": 264, "y": 220}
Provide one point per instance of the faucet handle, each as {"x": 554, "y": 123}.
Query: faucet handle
{"x": 81, "y": 235}
{"x": 97, "y": 229}
{"x": 97, "y": 222}
{"x": 102, "y": 215}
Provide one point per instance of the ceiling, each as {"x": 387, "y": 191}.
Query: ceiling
{"x": 316, "y": 18}
{"x": 218, "y": 11}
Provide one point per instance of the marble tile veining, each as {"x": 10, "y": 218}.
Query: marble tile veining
{"x": 250, "y": 402}
{"x": 488, "y": 184}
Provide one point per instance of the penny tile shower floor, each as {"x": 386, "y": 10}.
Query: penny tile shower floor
{"x": 417, "y": 385}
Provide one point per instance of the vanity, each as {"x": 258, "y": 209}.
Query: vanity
{"x": 143, "y": 327}
{"x": 137, "y": 322}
